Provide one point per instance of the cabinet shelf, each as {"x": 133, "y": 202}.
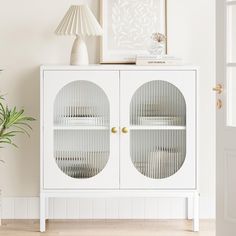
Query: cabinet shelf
{"x": 75, "y": 127}
{"x": 157, "y": 127}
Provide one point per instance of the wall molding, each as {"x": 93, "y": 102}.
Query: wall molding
{"x": 107, "y": 208}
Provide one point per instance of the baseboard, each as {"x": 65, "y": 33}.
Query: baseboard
{"x": 107, "y": 208}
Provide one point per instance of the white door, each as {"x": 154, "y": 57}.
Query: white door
{"x": 79, "y": 110}
{"x": 226, "y": 117}
{"x": 157, "y": 119}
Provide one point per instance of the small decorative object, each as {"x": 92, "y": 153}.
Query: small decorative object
{"x": 158, "y": 44}
{"x": 79, "y": 21}
{"x": 127, "y": 28}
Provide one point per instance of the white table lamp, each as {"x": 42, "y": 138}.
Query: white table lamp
{"x": 79, "y": 21}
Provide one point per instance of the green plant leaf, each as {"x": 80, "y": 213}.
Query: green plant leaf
{"x": 12, "y": 123}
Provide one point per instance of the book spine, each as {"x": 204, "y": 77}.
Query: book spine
{"x": 159, "y": 62}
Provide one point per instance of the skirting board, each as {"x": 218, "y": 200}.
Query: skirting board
{"x": 107, "y": 208}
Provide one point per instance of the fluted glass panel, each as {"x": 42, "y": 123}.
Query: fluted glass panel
{"x": 158, "y": 154}
{"x": 158, "y": 103}
{"x": 81, "y": 154}
{"x": 158, "y": 129}
{"x": 81, "y": 103}
{"x": 81, "y": 130}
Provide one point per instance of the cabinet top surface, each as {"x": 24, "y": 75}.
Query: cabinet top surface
{"x": 116, "y": 67}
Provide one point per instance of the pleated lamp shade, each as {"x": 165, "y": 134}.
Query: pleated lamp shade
{"x": 79, "y": 20}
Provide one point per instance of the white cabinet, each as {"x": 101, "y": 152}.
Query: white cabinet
{"x": 118, "y": 131}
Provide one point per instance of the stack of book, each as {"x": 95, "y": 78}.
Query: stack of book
{"x": 151, "y": 60}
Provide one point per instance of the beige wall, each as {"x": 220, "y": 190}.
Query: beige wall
{"x": 27, "y": 40}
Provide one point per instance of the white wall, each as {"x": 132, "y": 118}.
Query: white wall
{"x": 27, "y": 40}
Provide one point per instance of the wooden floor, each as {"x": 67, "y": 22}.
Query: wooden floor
{"x": 107, "y": 228}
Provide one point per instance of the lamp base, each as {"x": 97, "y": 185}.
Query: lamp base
{"x": 79, "y": 52}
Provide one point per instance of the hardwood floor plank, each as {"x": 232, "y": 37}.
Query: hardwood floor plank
{"x": 107, "y": 228}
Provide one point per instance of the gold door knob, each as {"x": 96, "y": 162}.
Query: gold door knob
{"x": 125, "y": 130}
{"x": 218, "y": 88}
{"x": 114, "y": 130}
{"x": 219, "y": 104}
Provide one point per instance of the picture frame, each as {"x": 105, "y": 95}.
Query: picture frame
{"x": 128, "y": 27}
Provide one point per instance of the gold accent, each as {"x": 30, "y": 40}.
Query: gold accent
{"x": 125, "y": 130}
{"x": 218, "y": 88}
{"x": 219, "y": 104}
{"x": 114, "y": 130}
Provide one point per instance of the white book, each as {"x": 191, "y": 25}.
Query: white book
{"x": 157, "y": 57}
{"x": 157, "y": 60}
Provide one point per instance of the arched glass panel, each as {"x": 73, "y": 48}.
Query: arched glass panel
{"x": 81, "y": 129}
{"x": 158, "y": 129}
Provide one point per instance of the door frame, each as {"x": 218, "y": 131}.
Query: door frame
{"x": 225, "y": 133}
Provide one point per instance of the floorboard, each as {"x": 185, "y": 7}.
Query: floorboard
{"x": 107, "y": 228}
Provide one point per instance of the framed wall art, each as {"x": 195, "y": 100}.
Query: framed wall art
{"x": 128, "y": 26}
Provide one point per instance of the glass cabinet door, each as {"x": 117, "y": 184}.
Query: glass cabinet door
{"x": 158, "y": 129}
{"x": 81, "y": 129}
{"x": 155, "y": 122}
{"x": 80, "y": 109}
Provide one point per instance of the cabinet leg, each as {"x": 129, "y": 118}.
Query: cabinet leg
{"x": 42, "y": 213}
{"x": 46, "y": 211}
{"x": 189, "y": 208}
{"x": 196, "y": 212}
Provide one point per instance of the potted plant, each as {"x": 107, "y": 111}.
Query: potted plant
{"x": 12, "y": 123}
{"x": 158, "y": 44}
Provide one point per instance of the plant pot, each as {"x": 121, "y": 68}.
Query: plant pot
{"x": 157, "y": 49}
